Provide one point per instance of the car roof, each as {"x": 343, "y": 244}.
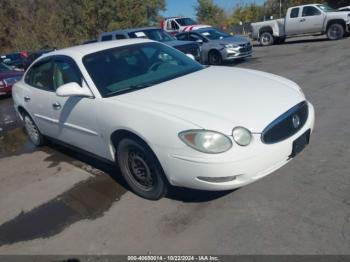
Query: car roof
{"x": 82, "y": 50}
{"x": 130, "y": 30}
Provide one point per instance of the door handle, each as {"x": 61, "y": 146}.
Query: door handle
{"x": 26, "y": 99}
{"x": 56, "y": 106}
{"x": 302, "y": 20}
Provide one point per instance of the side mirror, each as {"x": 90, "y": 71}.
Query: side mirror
{"x": 73, "y": 89}
{"x": 191, "y": 56}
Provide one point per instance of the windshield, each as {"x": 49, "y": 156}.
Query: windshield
{"x": 185, "y": 21}
{"x": 129, "y": 68}
{"x": 4, "y": 68}
{"x": 154, "y": 34}
{"x": 214, "y": 34}
{"x": 326, "y": 8}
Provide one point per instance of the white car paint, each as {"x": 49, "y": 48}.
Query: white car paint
{"x": 215, "y": 98}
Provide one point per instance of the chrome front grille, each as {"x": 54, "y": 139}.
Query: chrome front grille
{"x": 286, "y": 125}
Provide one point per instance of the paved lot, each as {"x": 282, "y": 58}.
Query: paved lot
{"x": 54, "y": 200}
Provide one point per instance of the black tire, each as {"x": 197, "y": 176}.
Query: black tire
{"x": 214, "y": 58}
{"x": 266, "y": 39}
{"x": 141, "y": 169}
{"x": 33, "y": 131}
{"x": 335, "y": 32}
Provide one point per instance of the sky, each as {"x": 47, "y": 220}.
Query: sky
{"x": 186, "y": 7}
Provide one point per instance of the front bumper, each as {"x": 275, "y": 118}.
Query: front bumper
{"x": 247, "y": 164}
{"x": 229, "y": 54}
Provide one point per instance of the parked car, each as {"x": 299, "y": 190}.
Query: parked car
{"x": 301, "y": 20}
{"x": 35, "y": 55}
{"x": 178, "y": 24}
{"x": 218, "y": 46}
{"x": 14, "y": 60}
{"x": 8, "y": 77}
{"x": 345, "y": 8}
{"x": 164, "y": 118}
{"x": 156, "y": 34}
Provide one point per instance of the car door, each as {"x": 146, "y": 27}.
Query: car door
{"x": 75, "y": 117}
{"x": 38, "y": 90}
{"x": 293, "y": 21}
{"x": 311, "y": 20}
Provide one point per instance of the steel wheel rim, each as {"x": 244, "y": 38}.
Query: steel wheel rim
{"x": 32, "y": 131}
{"x": 139, "y": 171}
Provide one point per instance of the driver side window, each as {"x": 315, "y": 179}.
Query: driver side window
{"x": 64, "y": 72}
{"x": 310, "y": 11}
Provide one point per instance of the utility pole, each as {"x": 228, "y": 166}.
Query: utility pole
{"x": 280, "y": 8}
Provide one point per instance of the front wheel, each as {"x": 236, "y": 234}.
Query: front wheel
{"x": 141, "y": 169}
{"x": 33, "y": 131}
{"x": 214, "y": 58}
{"x": 266, "y": 39}
{"x": 335, "y": 32}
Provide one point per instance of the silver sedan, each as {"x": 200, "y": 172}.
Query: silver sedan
{"x": 218, "y": 46}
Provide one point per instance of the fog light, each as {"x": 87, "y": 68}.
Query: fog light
{"x": 217, "y": 179}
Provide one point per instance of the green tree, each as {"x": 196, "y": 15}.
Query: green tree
{"x": 208, "y": 12}
{"x": 32, "y": 24}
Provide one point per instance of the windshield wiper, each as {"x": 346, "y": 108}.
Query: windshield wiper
{"x": 128, "y": 89}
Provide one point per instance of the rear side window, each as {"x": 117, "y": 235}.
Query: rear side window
{"x": 40, "y": 76}
{"x": 310, "y": 11}
{"x": 106, "y": 38}
{"x": 294, "y": 13}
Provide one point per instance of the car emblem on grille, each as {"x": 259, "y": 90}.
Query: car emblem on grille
{"x": 296, "y": 121}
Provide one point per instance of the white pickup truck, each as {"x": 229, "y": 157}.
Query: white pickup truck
{"x": 303, "y": 20}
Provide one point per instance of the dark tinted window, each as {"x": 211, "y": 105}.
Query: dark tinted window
{"x": 182, "y": 37}
{"x": 40, "y": 76}
{"x": 194, "y": 37}
{"x": 154, "y": 34}
{"x": 310, "y": 11}
{"x": 174, "y": 25}
{"x": 106, "y": 38}
{"x": 294, "y": 13}
{"x": 120, "y": 36}
{"x": 64, "y": 72}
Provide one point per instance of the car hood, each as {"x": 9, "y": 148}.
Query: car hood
{"x": 337, "y": 14}
{"x": 221, "y": 98}
{"x": 232, "y": 40}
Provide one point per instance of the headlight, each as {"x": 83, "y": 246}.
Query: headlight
{"x": 231, "y": 46}
{"x": 210, "y": 142}
{"x": 242, "y": 136}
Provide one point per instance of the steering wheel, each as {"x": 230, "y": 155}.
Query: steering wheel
{"x": 155, "y": 66}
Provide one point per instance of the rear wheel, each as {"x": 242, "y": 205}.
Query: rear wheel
{"x": 33, "y": 131}
{"x": 266, "y": 39}
{"x": 214, "y": 58}
{"x": 141, "y": 169}
{"x": 335, "y": 32}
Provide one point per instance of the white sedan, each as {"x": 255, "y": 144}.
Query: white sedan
{"x": 164, "y": 118}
